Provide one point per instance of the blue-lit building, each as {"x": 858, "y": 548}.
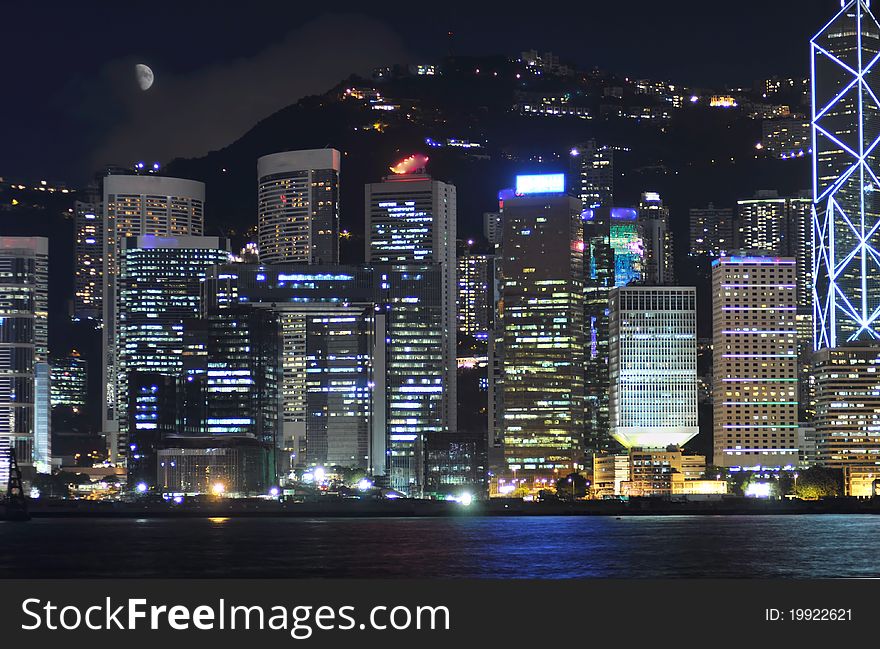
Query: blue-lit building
{"x": 846, "y": 203}
{"x": 153, "y": 416}
{"x": 411, "y": 219}
{"x": 159, "y": 287}
{"x": 24, "y": 369}
{"x": 619, "y": 228}
{"x": 382, "y": 324}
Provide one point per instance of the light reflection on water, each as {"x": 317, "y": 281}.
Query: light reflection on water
{"x": 506, "y": 547}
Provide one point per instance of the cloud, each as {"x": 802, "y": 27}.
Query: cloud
{"x": 189, "y": 115}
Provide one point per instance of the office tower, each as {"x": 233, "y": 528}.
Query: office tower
{"x": 592, "y": 174}
{"x": 298, "y": 207}
{"x": 542, "y": 328}
{"x": 755, "y": 361}
{"x": 653, "y": 366}
{"x": 657, "y": 240}
{"x": 712, "y": 230}
{"x": 598, "y": 282}
{"x": 474, "y": 294}
{"x": 153, "y": 416}
{"x": 136, "y": 206}
{"x": 457, "y": 465}
{"x": 24, "y": 381}
{"x": 89, "y": 261}
{"x": 69, "y": 381}
{"x": 411, "y": 219}
{"x": 493, "y": 228}
{"x": 339, "y": 373}
{"x": 846, "y": 205}
{"x": 847, "y": 422}
{"x": 618, "y": 227}
{"x": 406, "y": 360}
{"x": 781, "y": 226}
{"x": 158, "y": 288}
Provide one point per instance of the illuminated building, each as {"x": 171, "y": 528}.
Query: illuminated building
{"x": 755, "y": 383}
{"x": 474, "y": 287}
{"x": 619, "y": 228}
{"x": 653, "y": 366}
{"x": 411, "y": 219}
{"x": 298, "y": 207}
{"x": 158, "y": 288}
{"x": 89, "y": 266}
{"x": 389, "y": 316}
{"x": 653, "y": 472}
{"x": 610, "y": 471}
{"x": 846, "y": 207}
{"x": 592, "y": 174}
{"x": 134, "y": 206}
{"x": 657, "y": 240}
{"x": 457, "y": 464}
{"x": 847, "y": 418}
{"x": 69, "y": 381}
{"x": 153, "y": 416}
{"x": 711, "y": 230}
{"x": 598, "y": 282}
{"x": 722, "y": 101}
{"x": 24, "y": 369}
{"x": 781, "y": 226}
{"x": 542, "y": 328}
{"x": 786, "y": 137}
{"x": 224, "y": 466}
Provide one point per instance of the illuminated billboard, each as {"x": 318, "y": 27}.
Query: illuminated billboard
{"x": 540, "y": 184}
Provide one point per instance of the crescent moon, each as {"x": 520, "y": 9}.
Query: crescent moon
{"x": 144, "y": 76}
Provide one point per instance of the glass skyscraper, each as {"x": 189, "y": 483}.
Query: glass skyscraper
{"x": 653, "y": 366}
{"x": 846, "y": 202}
{"x": 24, "y": 369}
{"x": 158, "y": 288}
{"x": 542, "y": 380}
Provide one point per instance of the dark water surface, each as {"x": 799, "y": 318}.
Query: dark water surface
{"x": 515, "y": 547}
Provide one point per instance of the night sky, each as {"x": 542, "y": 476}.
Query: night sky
{"x": 70, "y": 102}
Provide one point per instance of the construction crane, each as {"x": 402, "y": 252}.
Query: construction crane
{"x": 16, "y": 508}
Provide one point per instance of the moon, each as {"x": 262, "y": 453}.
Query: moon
{"x": 144, "y": 76}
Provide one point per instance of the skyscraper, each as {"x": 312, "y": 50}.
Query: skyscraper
{"x": 846, "y": 205}
{"x": 657, "y": 240}
{"x": 136, "y": 206}
{"x": 403, "y": 331}
{"x": 619, "y": 228}
{"x": 542, "y": 328}
{"x": 755, "y": 383}
{"x": 847, "y": 419}
{"x": 474, "y": 288}
{"x": 653, "y": 366}
{"x": 24, "y": 369}
{"x": 592, "y": 174}
{"x": 69, "y": 375}
{"x": 781, "y": 226}
{"x": 298, "y": 207}
{"x": 711, "y": 231}
{"x": 89, "y": 267}
{"x": 411, "y": 219}
{"x": 158, "y": 288}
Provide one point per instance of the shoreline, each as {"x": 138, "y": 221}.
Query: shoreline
{"x": 427, "y": 508}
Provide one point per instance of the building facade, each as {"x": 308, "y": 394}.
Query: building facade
{"x": 755, "y": 361}
{"x": 653, "y": 366}
{"x": 411, "y": 219}
{"x": 135, "y": 206}
{"x": 542, "y": 328}
{"x": 298, "y": 207}
{"x": 657, "y": 240}
{"x": 845, "y": 213}
{"x": 711, "y": 231}
{"x": 158, "y": 288}
{"x": 24, "y": 355}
